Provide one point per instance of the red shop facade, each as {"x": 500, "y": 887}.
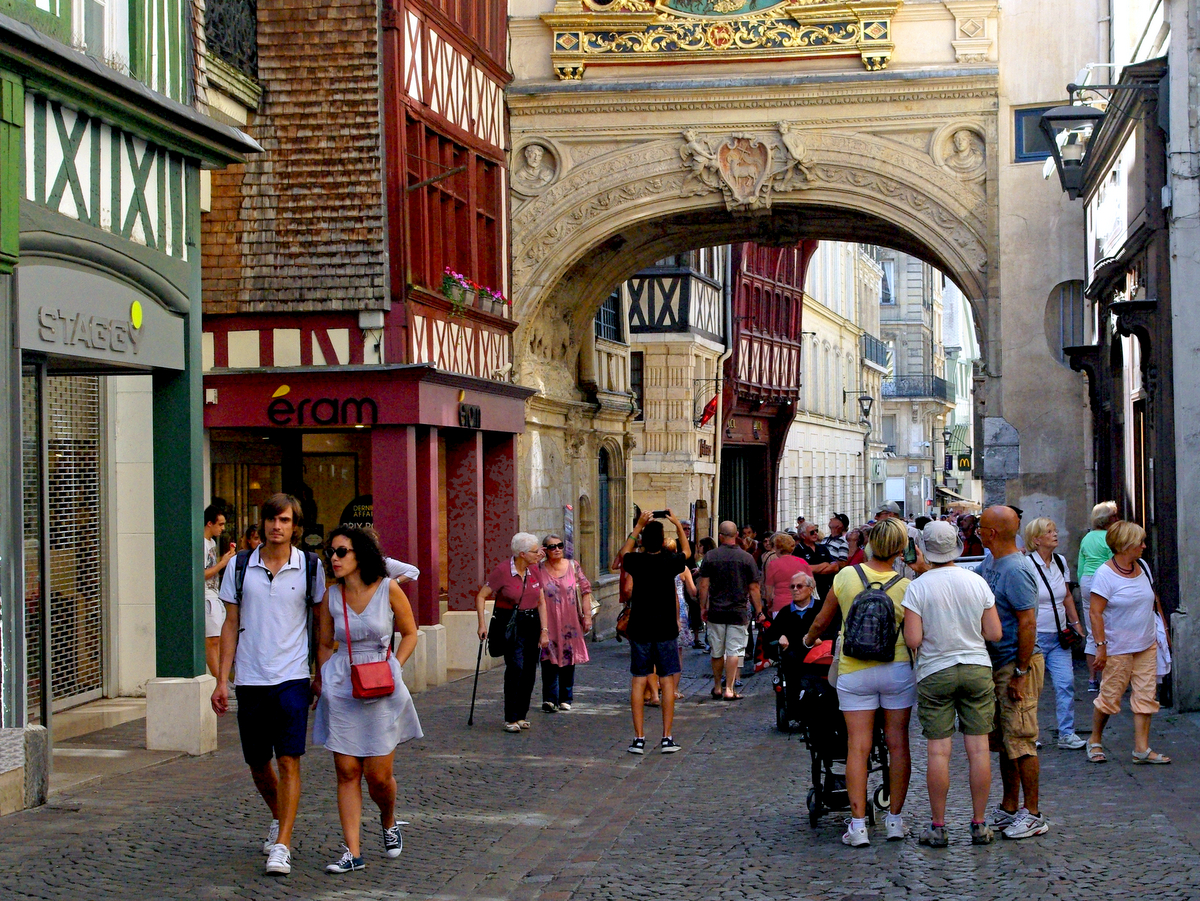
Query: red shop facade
{"x": 425, "y": 456}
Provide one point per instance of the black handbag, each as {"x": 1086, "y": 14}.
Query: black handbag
{"x": 1068, "y": 638}
{"x": 502, "y": 630}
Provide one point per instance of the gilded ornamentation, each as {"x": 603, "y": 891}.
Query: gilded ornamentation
{"x": 686, "y": 30}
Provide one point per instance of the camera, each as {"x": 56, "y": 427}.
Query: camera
{"x": 661, "y": 514}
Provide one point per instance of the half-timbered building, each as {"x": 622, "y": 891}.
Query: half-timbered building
{"x": 358, "y": 333}
{"x": 101, "y": 149}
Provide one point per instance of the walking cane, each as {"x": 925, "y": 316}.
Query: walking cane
{"x": 478, "y": 660}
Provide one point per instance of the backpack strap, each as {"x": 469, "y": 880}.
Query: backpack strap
{"x": 241, "y": 561}
{"x": 858, "y": 569}
{"x": 895, "y": 579}
{"x": 311, "y": 562}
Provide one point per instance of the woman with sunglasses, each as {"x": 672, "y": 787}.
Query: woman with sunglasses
{"x": 568, "y": 619}
{"x": 362, "y": 734}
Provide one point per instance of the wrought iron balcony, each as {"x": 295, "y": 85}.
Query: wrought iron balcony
{"x": 874, "y": 350}
{"x": 231, "y": 31}
{"x": 916, "y": 386}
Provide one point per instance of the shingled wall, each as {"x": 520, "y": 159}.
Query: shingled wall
{"x": 301, "y": 226}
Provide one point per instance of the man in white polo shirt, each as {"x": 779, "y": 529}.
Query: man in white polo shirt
{"x": 266, "y": 627}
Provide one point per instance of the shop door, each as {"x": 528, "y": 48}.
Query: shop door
{"x": 743, "y": 492}
{"x": 65, "y": 538}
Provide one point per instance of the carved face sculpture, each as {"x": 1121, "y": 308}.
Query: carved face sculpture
{"x": 534, "y": 153}
{"x": 962, "y": 142}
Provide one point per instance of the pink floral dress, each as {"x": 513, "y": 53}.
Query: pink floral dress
{"x": 567, "y": 637}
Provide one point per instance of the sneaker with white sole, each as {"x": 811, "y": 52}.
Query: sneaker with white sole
{"x": 272, "y": 837}
{"x": 1002, "y": 819}
{"x": 393, "y": 841}
{"x": 637, "y": 746}
{"x": 934, "y": 836}
{"x": 1027, "y": 825}
{"x": 668, "y": 746}
{"x": 346, "y": 863}
{"x": 1069, "y": 741}
{"x": 279, "y": 861}
{"x": 855, "y": 838}
{"x": 564, "y": 707}
{"x": 981, "y": 834}
{"x": 894, "y": 823}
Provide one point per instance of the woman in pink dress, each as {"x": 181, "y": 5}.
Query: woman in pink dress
{"x": 777, "y": 577}
{"x": 569, "y": 618}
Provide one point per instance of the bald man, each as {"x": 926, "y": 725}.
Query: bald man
{"x": 1017, "y": 671}
{"x": 728, "y": 578}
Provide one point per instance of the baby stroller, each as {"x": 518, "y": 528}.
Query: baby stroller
{"x": 811, "y": 711}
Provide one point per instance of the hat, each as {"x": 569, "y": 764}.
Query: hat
{"x": 942, "y": 542}
{"x": 890, "y": 507}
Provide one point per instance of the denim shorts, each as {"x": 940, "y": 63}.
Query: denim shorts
{"x": 273, "y": 720}
{"x": 646, "y": 656}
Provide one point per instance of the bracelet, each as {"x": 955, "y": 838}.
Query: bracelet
{"x": 1076, "y": 623}
{"x": 804, "y": 642}
{"x": 1101, "y": 644}
{"x": 545, "y": 630}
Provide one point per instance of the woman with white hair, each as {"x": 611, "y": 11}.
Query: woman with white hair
{"x": 1093, "y": 554}
{"x": 518, "y": 588}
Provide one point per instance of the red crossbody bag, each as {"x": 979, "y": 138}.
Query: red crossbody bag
{"x": 367, "y": 680}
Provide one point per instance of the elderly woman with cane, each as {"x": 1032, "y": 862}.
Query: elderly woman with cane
{"x": 517, "y": 585}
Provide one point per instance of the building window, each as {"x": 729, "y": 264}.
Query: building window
{"x": 637, "y": 362}
{"x": 608, "y": 318}
{"x": 887, "y": 287}
{"x": 231, "y": 32}
{"x": 454, "y": 222}
{"x": 889, "y": 433}
{"x": 1032, "y": 146}
{"x": 1065, "y": 318}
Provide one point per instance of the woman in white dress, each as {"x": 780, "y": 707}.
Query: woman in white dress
{"x": 362, "y": 734}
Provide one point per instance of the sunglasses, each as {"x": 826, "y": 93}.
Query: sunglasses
{"x": 554, "y": 547}
{"x": 339, "y": 552}
{"x": 798, "y": 587}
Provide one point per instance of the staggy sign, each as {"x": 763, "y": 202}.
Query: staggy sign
{"x": 321, "y": 411}
{"x": 70, "y": 311}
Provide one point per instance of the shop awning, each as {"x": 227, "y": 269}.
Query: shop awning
{"x": 957, "y": 499}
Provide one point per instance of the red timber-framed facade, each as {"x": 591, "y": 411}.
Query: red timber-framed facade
{"x": 762, "y": 377}
{"x": 339, "y": 366}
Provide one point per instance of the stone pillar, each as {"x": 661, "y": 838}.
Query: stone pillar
{"x": 464, "y": 518}
{"x": 500, "y": 493}
{"x": 179, "y": 715}
{"x": 435, "y": 655}
{"x": 429, "y": 537}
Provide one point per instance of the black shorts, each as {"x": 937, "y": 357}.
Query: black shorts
{"x": 273, "y": 720}
{"x": 646, "y": 656}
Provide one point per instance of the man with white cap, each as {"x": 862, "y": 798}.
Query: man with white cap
{"x": 948, "y": 613}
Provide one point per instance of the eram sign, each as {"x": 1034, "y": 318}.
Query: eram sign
{"x": 321, "y": 411}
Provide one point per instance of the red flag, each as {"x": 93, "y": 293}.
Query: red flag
{"x": 710, "y": 410}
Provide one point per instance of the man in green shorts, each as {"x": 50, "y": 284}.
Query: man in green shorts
{"x": 948, "y": 613}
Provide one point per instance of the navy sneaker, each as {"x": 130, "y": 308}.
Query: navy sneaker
{"x": 393, "y": 841}
{"x": 638, "y": 746}
{"x": 668, "y": 746}
{"x": 346, "y": 863}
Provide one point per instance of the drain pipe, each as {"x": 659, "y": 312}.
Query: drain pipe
{"x": 718, "y": 430}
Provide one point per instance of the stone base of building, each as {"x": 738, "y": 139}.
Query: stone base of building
{"x": 179, "y": 715}
{"x": 24, "y": 768}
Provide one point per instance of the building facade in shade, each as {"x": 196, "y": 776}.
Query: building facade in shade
{"x": 357, "y": 332}
{"x": 917, "y": 400}
{"x": 676, "y": 321}
{"x": 831, "y": 459}
{"x": 101, "y": 148}
{"x": 958, "y": 488}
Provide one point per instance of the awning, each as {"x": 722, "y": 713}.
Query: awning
{"x": 957, "y": 497}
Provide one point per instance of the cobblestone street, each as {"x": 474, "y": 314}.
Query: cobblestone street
{"x": 562, "y": 811}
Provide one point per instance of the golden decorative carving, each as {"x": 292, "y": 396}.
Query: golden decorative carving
{"x": 631, "y": 31}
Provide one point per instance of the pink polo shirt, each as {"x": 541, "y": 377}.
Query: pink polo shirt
{"x": 506, "y": 585}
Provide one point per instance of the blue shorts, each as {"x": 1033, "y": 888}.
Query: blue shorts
{"x": 273, "y": 720}
{"x": 647, "y": 656}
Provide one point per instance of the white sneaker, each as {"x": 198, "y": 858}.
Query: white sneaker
{"x": 272, "y": 837}
{"x": 1002, "y": 819}
{"x": 563, "y": 708}
{"x": 1027, "y": 825}
{"x": 1069, "y": 741}
{"x": 855, "y": 838}
{"x": 279, "y": 861}
{"x": 895, "y": 827}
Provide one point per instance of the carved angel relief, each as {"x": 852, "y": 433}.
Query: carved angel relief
{"x": 746, "y": 168}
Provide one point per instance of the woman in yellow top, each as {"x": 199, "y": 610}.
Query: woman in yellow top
{"x": 864, "y": 686}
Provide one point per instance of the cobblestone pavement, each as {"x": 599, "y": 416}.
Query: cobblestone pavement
{"x": 562, "y": 811}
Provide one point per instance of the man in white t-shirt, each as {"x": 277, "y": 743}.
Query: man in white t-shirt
{"x": 214, "y": 610}
{"x": 266, "y": 632}
{"x": 948, "y": 613}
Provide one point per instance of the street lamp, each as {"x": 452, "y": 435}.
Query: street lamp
{"x": 865, "y": 401}
{"x": 1068, "y": 130}
{"x": 947, "y": 436}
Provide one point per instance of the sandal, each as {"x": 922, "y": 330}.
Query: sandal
{"x": 716, "y": 694}
{"x": 1095, "y": 753}
{"x": 733, "y": 697}
{"x": 1150, "y": 756}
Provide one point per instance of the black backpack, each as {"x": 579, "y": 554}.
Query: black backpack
{"x": 311, "y": 562}
{"x": 870, "y": 631}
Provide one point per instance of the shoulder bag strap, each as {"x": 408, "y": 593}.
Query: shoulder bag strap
{"x": 1146, "y": 570}
{"x": 346, "y": 619}
{"x": 1046, "y": 582}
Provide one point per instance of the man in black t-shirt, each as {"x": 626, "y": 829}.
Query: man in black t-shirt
{"x": 728, "y": 579}
{"x": 654, "y": 622}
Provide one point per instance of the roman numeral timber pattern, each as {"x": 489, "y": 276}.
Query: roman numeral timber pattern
{"x": 94, "y": 172}
{"x": 460, "y": 346}
{"x": 450, "y": 84}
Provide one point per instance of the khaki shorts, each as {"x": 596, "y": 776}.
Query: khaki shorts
{"x": 1119, "y": 672}
{"x": 964, "y": 689}
{"x": 727, "y": 639}
{"x": 1016, "y": 729}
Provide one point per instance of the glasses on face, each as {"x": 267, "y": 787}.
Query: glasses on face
{"x": 554, "y": 547}
{"x": 798, "y": 587}
{"x": 339, "y": 552}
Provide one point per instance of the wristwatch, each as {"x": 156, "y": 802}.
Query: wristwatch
{"x": 1017, "y": 671}
{"x": 1101, "y": 644}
